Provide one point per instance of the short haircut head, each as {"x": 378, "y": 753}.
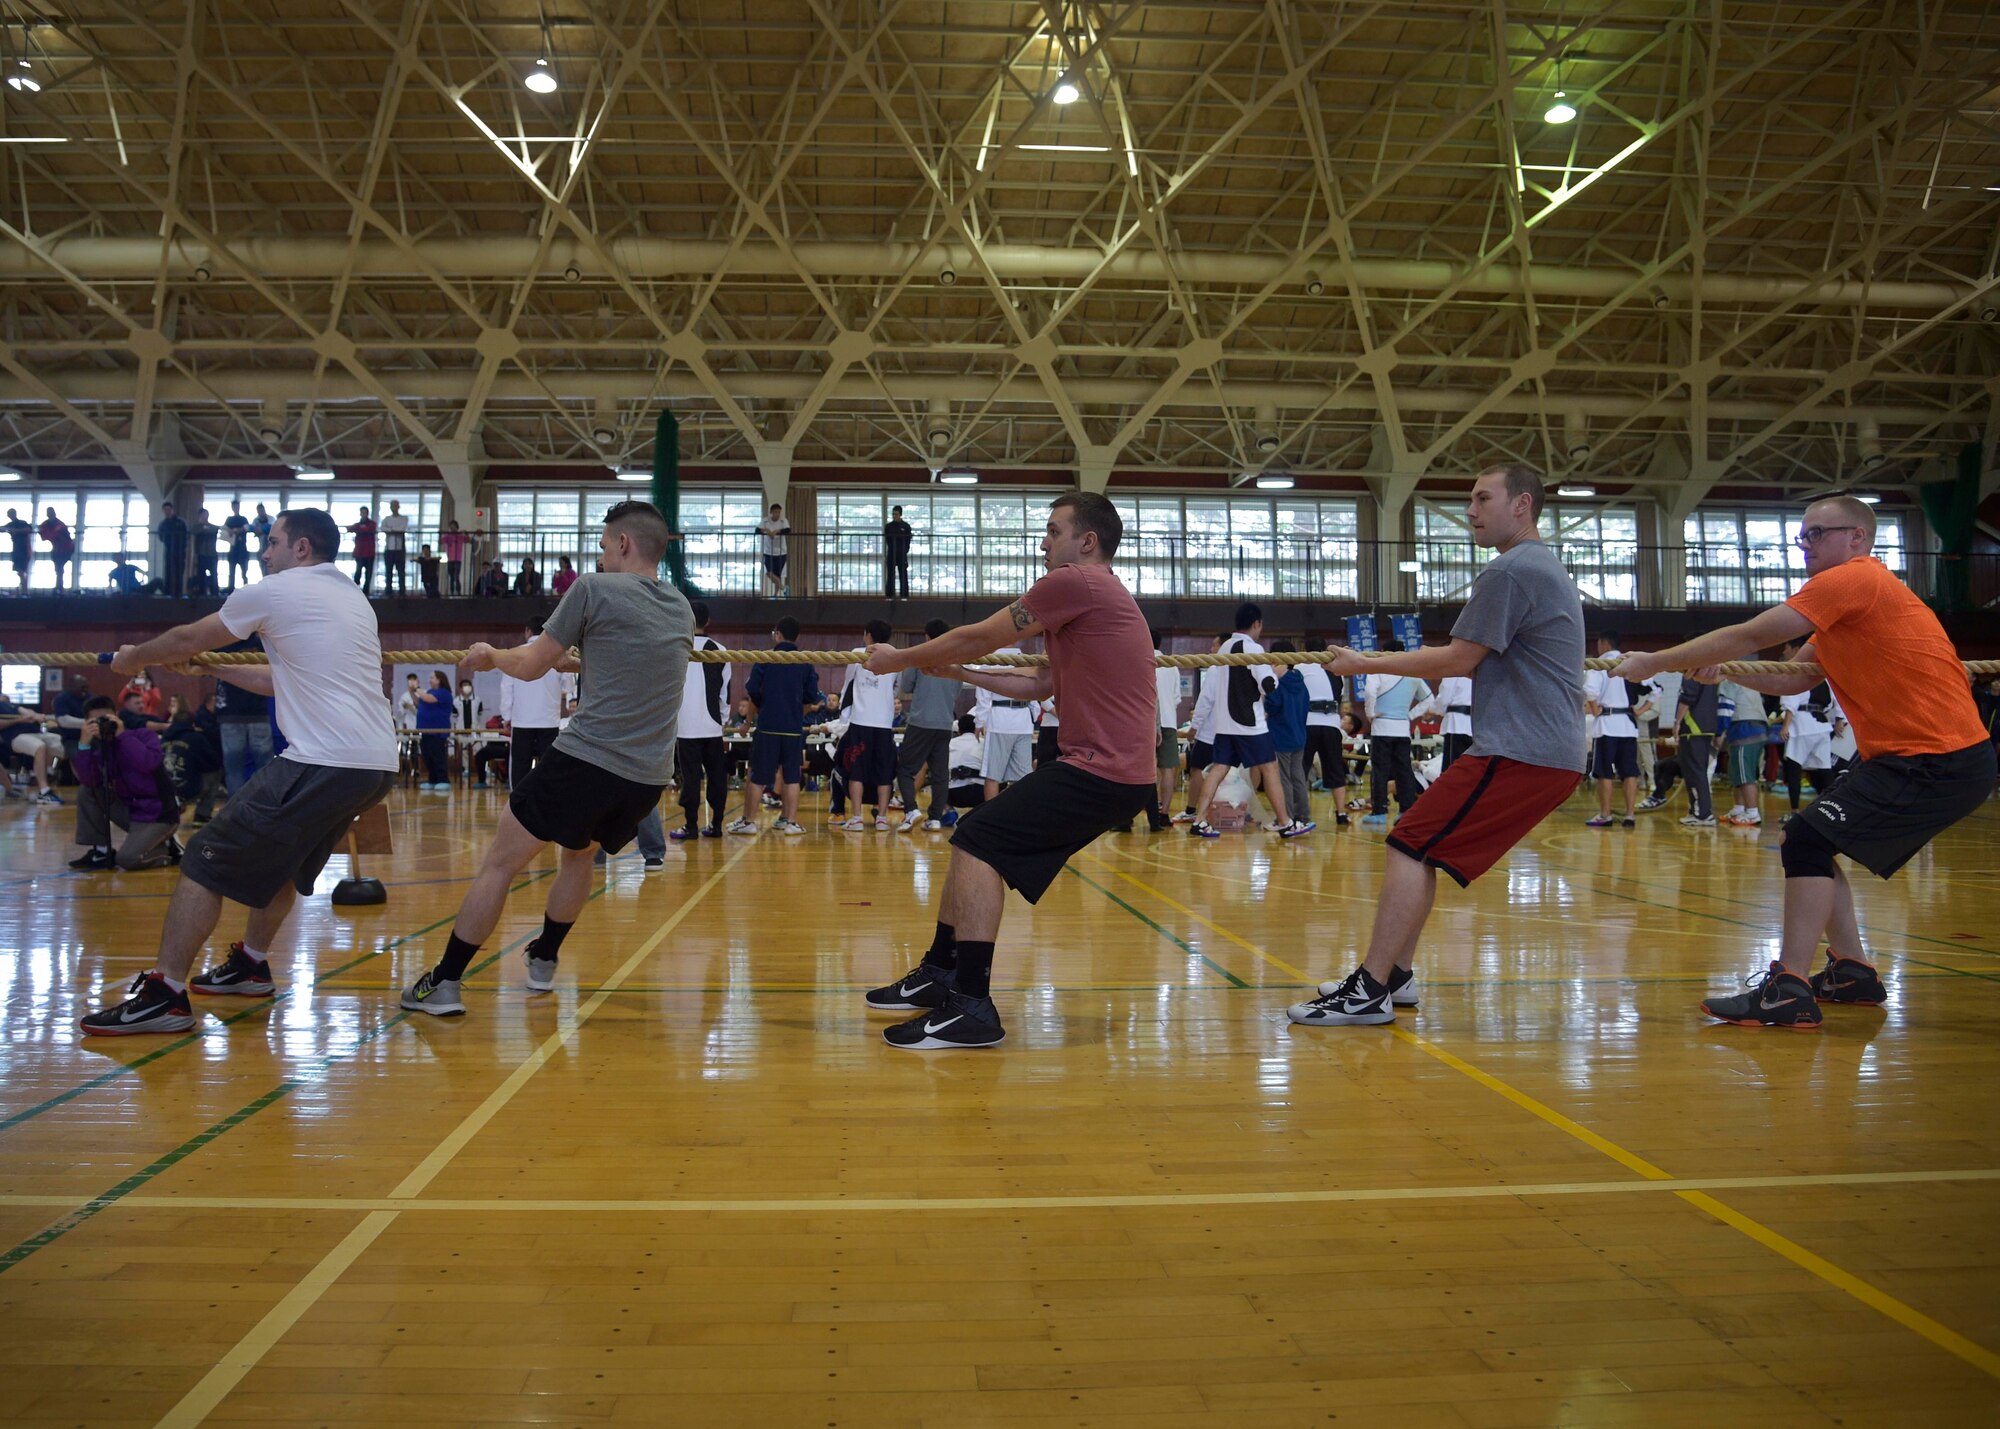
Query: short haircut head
{"x": 1850, "y": 513}
{"x": 934, "y": 628}
{"x": 878, "y": 631}
{"x": 1608, "y": 637}
{"x": 1282, "y": 647}
{"x": 1247, "y": 615}
{"x": 965, "y": 724}
{"x": 788, "y": 628}
{"x": 535, "y": 627}
{"x": 1521, "y": 479}
{"x": 1318, "y": 642}
{"x": 642, "y": 521}
{"x": 311, "y": 525}
{"x": 700, "y": 609}
{"x": 99, "y": 702}
{"x": 1094, "y": 515}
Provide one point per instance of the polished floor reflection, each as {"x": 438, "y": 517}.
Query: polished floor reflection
{"x": 692, "y": 1187}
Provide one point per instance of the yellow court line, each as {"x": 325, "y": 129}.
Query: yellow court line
{"x": 822, "y": 1205}
{"x": 198, "y": 1403}
{"x": 1244, "y": 943}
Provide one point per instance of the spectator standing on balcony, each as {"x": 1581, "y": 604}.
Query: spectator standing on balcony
{"x": 456, "y": 543}
{"x": 776, "y": 533}
{"x": 205, "y": 533}
{"x": 173, "y": 534}
{"x": 896, "y": 538}
{"x": 363, "y": 532}
{"x": 395, "y": 550}
{"x": 23, "y": 537}
{"x": 565, "y": 577}
{"x": 529, "y": 582}
{"x": 427, "y": 572}
{"x": 494, "y": 582}
{"x": 260, "y": 527}
{"x": 62, "y": 545}
{"x": 237, "y": 527}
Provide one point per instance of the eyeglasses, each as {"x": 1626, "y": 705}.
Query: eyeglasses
{"x": 1809, "y": 537}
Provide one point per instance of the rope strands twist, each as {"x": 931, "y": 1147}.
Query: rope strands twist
{"x": 1976, "y": 668}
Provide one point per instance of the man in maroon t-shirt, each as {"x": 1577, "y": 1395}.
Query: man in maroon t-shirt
{"x": 1101, "y": 675}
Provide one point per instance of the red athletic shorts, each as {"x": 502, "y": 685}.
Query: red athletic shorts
{"x": 1477, "y": 810}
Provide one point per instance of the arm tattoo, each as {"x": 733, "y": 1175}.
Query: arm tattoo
{"x": 1021, "y": 615}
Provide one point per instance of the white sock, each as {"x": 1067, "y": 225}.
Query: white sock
{"x": 175, "y": 983}
{"x": 256, "y": 954}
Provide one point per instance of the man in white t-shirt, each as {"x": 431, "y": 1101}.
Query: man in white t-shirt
{"x": 274, "y": 835}
{"x": 1324, "y": 741}
{"x": 1242, "y": 738}
{"x": 1201, "y": 736}
{"x": 1009, "y": 729}
{"x": 1608, "y": 701}
{"x": 866, "y": 756}
{"x": 1453, "y": 704}
{"x": 702, "y": 757}
{"x": 533, "y": 711}
{"x": 775, "y": 533}
{"x": 395, "y": 532}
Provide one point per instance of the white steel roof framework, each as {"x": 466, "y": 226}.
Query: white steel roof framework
{"x": 1336, "y": 236}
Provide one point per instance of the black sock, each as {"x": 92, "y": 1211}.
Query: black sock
{"x": 458, "y": 956}
{"x": 941, "y": 954}
{"x": 974, "y": 976}
{"x": 551, "y": 941}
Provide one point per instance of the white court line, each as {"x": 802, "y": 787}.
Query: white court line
{"x": 823, "y": 1205}
{"x": 198, "y": 1403}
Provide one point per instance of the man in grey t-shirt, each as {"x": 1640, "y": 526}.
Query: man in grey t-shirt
{"x": 931, "y": 718}
{"x": 1520, "y": 639}
{"x": 607, "y": 770}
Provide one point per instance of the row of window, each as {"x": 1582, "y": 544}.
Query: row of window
{"x": 987, "y": 542}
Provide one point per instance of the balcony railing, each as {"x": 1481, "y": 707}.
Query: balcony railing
{"x": 1195, "y": 566}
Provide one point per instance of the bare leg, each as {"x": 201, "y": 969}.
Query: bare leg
{"x": 192, "y": 914}
{"x": 1604, "y": 798}
{"x": 882, "y": 802}
{"x": 513, "y": 849}
{"x": 788, "y": 799}
{"x": 42, "y": 768}
{"x": 975, "y": 894}
{"x": 1631, "y": 797}
{"x": 1211, "y": 780}
{"x": 572, "y": 883}
{"x": 992, "y": 788}
{"x": 260, "y": 929}
{"x": 1809, "y": 905}
{"x": 1401, "y": 909}
{"x": 753, "y": 800}
{"x": 1747, "y": 798}
{"x": 1843, "y": 932}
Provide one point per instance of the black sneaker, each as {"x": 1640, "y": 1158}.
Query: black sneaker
{"x": 1359, "y": 1001}
{"x": 958, "y": 1024}
{"x": 1403, "y": 987}
{"x": 239, "y": 973}
{"x": 174, "y": 851}
{"x": 922, "y": 986}
{"x": 152, "y": 1007}
{"x": 713, "y": 831}
{"x": 1775, "y": 998}
{"x": 95, "y": 859}
{"x": 1844, "y": 980}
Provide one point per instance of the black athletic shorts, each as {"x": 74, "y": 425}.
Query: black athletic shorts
{"x": 1029, "y": 832}
{"x": 868, "y": 756}
{"x": 1617, "y": 757}
{"x": 772, "y": 754}
{"x": 572, "y": 802}
{"x": 1882, "y": 811}
{"x": 281, "y": 827}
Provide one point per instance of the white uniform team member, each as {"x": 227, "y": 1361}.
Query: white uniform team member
{"x": 1324, "y": 740}
{"x": 702, "y": 757}
{"x": 533, "y": 711}
{"x": 1453, "y": 703}
{"x": 1616, "y": 757}
{"x": 1167, "y": 757}
{"x": 1242, "y": 735}
{"x": 1009, "y": 728}
{"x": 866, "y": 757}
{"x": 275, "y": 835}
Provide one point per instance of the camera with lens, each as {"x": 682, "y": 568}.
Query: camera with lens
{"x": 107, "y": 728}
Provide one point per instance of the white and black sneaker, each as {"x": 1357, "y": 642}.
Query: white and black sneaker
{"x": 152, "y": 1007}
{"x": 1358, "y": 1001}
{"x": 238, "y": 974}
{"x": 961, "y": 1024}
{"x": 1402, "y": 987}
{"x": 923, "y": 986}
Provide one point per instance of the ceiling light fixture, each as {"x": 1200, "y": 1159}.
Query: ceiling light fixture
{"x": 1276, "y": 481}
{"x": 1066, "y": 148}
{"x": 1561, "y": 111}
{"x": 958, "y": 477}
{"x": 604, "y": 436}
{"x": 947, "y": 277}
{"x": 26, "y": 83}
{"x": 1575, "y": 488}
{"x": 635, "y": 476}
{"x": 1066, "y": 93}
{"x": 10, "y": 476}
{"x": 1867, "y": 498}
{"x": 541, "y": 79}
{"x": 312, "y": 476}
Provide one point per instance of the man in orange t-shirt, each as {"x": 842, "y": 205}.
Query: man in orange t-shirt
{"x": 1925, "y": 759}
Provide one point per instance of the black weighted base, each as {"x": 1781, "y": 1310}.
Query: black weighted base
{"x": 360, "y": 890}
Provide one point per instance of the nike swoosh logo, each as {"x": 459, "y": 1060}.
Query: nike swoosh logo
{"x": 907, "y": 991}
{"x": 1767, "y": 1005}
{"x": 142, "y": 1013}
{"x": 933, "y": 1028}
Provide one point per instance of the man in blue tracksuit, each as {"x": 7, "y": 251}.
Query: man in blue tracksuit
{"x": 782, "y": 694}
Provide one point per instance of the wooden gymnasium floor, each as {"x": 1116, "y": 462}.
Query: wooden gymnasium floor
{"x": 693, "y": 1188}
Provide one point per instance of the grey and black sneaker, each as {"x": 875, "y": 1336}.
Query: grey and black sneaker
{"x": 238, "y": 974}
{"x": 1849, "y": 981}
{"x": 922, "y": 986}
{"x": 960, "y": 1024}
{"x": 1356, "y": 1001}
{"x": 438, "y": 997}
{"x": 152, "y": 1007}
{"x": 94, "y": 860}
{"x": 1774, "y": 998}
{"x": 541, "y": 970}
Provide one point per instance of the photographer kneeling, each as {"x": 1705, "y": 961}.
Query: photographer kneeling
{"x": 123, "y": 782}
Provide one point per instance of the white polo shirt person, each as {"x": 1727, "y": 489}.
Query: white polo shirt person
{"x": 533, "y": 711}
{"x": 1009, "y": 727}
{"x": 1615, "y": 736}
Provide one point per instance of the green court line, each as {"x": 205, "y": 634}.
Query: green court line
{"x": 117, "y": 1193}
{"x": 1211, "y": 963}
{"x": 262, "y": 1005}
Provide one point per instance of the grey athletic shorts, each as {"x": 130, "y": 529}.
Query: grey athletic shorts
{"x": 1009, "y": 757}
{"x": 281, "y": 827}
